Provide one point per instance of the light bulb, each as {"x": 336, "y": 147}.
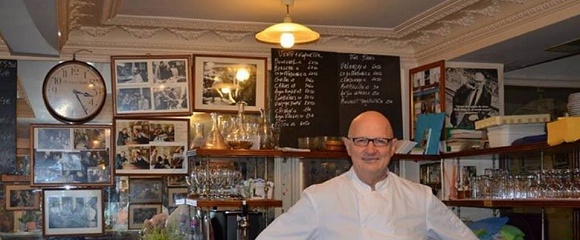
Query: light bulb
{"x": 242, "y": 74}
{"x": 287, "y": 40}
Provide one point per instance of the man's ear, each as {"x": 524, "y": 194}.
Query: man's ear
{"x": 394, "y": 146}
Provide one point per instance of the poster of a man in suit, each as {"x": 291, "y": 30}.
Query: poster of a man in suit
{"x": 473, "y": 95}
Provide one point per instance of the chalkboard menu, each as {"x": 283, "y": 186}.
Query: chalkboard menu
{"x": 7, "y": 116}
{"x": 317, "y": 93}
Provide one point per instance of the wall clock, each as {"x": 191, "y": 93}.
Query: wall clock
{"x": 74, "y": 92}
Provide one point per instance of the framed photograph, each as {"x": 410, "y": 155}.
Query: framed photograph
{"x": 146, "y": 190}
{"x": 473, "y": 91}
{"x": 427, "y": 91}
{"x": 138, "y": 213}
{"x": 22, "y": 197}
{"x": 74, "y": 155}
{"x": 176, "y": 193}
{"x": 176, "y": 181}
{"x": 222, "y": 81}
{"x": 151, "y": 85}
{"x": 430, "y": 174}
{"x": 72, "y": 212}
{"x": 151, "y": 146}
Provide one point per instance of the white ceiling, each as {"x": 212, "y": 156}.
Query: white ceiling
{"x": 512, "y": 32}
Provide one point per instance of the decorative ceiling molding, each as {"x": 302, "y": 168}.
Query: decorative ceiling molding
{"x": 232, "y": 36}
{"x": 96, "y": 31}
{"x": 512, "y": 21}
{"x": 188, "y": 34}
{"x": 142, "y": 33}
{"x": 360, "y": 42}
{"x": 432, "y": 33}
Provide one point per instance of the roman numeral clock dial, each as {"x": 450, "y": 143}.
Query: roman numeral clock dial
{"x": 74, "y": 92}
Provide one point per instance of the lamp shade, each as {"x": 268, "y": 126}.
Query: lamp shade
{"x": 302, "y": 34}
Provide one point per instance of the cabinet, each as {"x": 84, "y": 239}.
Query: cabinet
{"x": 539, "y": 158}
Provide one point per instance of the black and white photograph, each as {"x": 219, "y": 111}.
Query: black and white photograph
{"x": 223, "y": 81}
{"x": 152, "y": 146}
{"x": 145, "y": 190}
{"x": 72, "y": 211}
{"x": 133, "y": 99}
{"x": 88, "y": 147}
{"x": 170, "y": 71}
{"x": 53, "y": 138}
{"x": 131, "y": 72}
{"x": 473, "y": 93}
{"x": 138, "y": 213}
{"x": 151, "y": 85}
{"x": 22, "y": 197}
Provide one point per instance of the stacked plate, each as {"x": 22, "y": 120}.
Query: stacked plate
{"x": 574, "y": 104}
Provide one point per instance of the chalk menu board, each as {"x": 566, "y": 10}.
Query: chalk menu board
{"x": 8, "y": 116}
{"x": 317, "y": 93}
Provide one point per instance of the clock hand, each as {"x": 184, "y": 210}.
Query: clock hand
{"x": 86, "y": 94}
{"x": 79, "y": 99}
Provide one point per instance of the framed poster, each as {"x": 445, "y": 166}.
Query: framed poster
{"x": 146, "y": 190}
{"x": 175, "y": 193}
{"x": 151, "y": 146}
{"x": 138, "y": 213}
{"x": 473, "y": 91}
{"x": 22, "y": 197}
{"x": 151, "y": 85}
{"x": 74, "y": 155}
{"x": 72, "y": 212}
{"x": 427, "y": 91}
{"x": 222, "y": 81}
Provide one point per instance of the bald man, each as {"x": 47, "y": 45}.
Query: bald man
{"x": 368, "y": 202}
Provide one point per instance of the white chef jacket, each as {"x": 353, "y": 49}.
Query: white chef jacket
{"x": 345, "y": 208}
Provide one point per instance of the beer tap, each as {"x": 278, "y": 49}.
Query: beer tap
{"x": 243, "y": 223}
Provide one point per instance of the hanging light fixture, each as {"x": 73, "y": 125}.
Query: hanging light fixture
{"x": 287, "y": 33}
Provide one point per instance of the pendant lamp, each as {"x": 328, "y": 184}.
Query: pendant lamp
{"x": 287, "y": 33}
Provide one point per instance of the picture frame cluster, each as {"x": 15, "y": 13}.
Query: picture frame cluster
{"x": 81, "y": 177}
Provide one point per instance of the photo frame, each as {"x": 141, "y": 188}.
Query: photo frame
{"x": 138, "y": 213}
{"x": 176, "y": 181}
{"x": 222, "y": 81}
{"x": 74, "y": 155}
{"x": 430, "y": 174}
{"x": 464, "y": 105}
{"x": 72, "y": 212}
{"x": 151, "y": 146}
{"x": 22, "y": 197}
{"x": 427, "y": 91}
{"x": 151, "y": 85}
{"x": 146, "y": 190}
{"x": 175, "y": 193}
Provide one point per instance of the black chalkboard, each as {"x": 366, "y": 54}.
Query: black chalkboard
{"x": 304, "y": 102}
{"x": 369, "y": 82}
{"x": 8, "y": 116}
{"x": 316, "y": 93}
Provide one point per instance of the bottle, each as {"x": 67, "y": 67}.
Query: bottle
{"x": 266, "y": 135}
{"x": 239, "y": 138}
{"x": 215, "y": 140}
{"x": 199, "y": 136}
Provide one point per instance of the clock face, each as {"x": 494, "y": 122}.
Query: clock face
{"x": 74, "y": 91}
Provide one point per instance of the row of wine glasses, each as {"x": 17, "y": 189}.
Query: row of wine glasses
{"x": 552, "y": 183}
{"x": 213, "y": 182}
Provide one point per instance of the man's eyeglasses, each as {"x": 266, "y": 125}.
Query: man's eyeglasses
{"x": 364, "y": 141}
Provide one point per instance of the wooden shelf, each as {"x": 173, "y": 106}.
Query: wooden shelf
{"x": 270, "y": 153}
{"x": 511, "y": 203}
{"x": 238, "y": 203}
{"x": 312, "y": 154}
